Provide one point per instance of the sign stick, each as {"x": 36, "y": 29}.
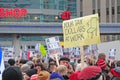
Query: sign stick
{"x": 57, "y": 59}
{"x": 82, "y": 57}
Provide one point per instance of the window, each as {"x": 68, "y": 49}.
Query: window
{"x": 99, "y": 12}
{"x": 118, "y": 9}
{"x": 28, "y": 47}
{"x": 81, "y": 5}
{"x": 93, "y": 4}
{"x": 98, "y": 4}
{"x": 107, "y": 11}
{"x": 32, "y": 47}
{"x": 93, "y": 11}
{"x": 81, "y": 14}
{"x": 113, "y": 11}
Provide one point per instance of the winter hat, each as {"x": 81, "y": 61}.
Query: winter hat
{"x": 116, "y": 72}
{"x": 56, "y": 76}
{"x": 43, "y": 75}
{"x": 74, "y": 76}
{"x": 90, "y": 72}
{"x": 12, "y": 73}
{"x": 34, "y": 77}
{"x": 102, "y": 63}
{"x": 30, "y": 72}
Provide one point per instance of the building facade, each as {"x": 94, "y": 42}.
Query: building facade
{"x": 108, "y": 10}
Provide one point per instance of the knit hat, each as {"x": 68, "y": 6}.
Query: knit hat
{"x": 34, "y": 77}
{"x": 74, "y": 76}
{"x": 102, "y": 63}
{"x": 30, "y": 72}
{"x": 12, "y": 73}
{"x": 90, "y": 72}
{"x": 43, "y": 75}
{"x": 56, "y": 76}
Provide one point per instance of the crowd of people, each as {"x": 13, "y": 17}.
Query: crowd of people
{"x": 37, "y": 69}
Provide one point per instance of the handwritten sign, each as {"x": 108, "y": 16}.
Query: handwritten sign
{"x": 81, "y": 31}
{"x": 53, "y": 45}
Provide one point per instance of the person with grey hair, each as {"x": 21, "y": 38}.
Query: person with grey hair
{"x": 62, "y": 70}
{"x": 31, "y": 64}
{"x": 25, "y": 67}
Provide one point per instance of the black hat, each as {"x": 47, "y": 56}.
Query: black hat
{"x": 12, "y": 73}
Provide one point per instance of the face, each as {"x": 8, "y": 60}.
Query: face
{"x": 65, "y": 63}
{"x": 53, "y": 68}
{"x": 26, "y": 77}
{"x": 38, "y": 69}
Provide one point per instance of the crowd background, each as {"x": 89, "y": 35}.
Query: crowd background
{"x": 98, "y": 68}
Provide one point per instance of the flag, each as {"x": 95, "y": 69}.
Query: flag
{"x": 28, "y": 55}
{"x": 1, "y": 63}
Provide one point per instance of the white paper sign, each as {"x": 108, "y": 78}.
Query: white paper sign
{"x": 53, "y": 45}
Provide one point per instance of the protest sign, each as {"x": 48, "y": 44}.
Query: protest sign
{"x": 8, "y": 53}
{"x": 53, "y": 45}
{"x": 112, "y": 54}
{"x": 81, "y": 31}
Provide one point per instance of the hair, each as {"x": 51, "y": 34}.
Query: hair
{"x": 61, "y": 69}
{"x": 25, "y": 67}
{"x": 12, "y": 73}
{"x": 102, "y": 56}
{"x": 64, "y": 58}
{"x": 11, "y": 62}
{"x": 31, "y": 64}
{"x": 52, "y": 60}
{"x": 41, "y": 65}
